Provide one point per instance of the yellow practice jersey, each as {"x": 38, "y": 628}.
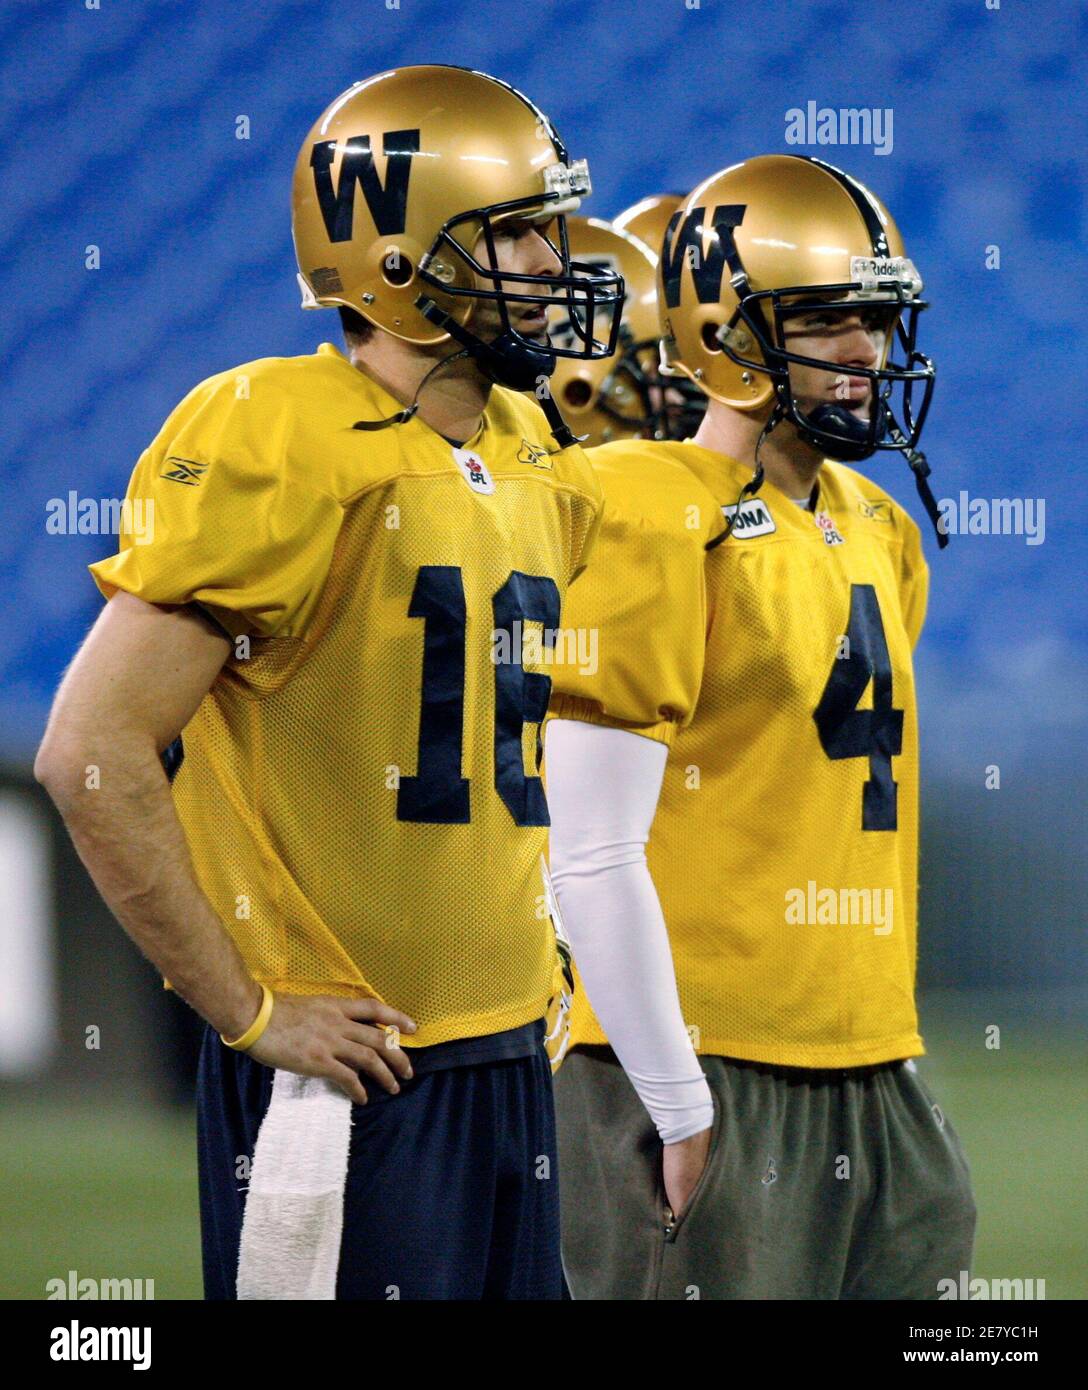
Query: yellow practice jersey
{"x": 785, "y": 845}
{"x": 359, "y": 788}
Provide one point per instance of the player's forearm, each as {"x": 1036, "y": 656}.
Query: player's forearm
{"x": 621, "y": 945}
{"x": 603, "y": 786}
{"x": 125, "y": 829}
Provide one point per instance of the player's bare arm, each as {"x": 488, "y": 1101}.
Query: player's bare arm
{"x": 137, "y": 681}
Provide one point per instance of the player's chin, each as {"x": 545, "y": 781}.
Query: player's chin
{"x": 858, "y": 406}
{"x": 534, "y": 327}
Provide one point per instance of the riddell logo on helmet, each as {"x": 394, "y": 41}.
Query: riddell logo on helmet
{"x": 873, "y": 271}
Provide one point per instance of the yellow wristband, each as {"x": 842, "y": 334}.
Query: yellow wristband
{"x": 257, "y": 1027}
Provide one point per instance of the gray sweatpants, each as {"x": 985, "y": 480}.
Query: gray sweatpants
{"x": 819, "y": 1185}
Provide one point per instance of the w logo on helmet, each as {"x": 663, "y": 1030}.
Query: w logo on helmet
{"x": 706, "y": 269}
{"x": 388, "y": 206}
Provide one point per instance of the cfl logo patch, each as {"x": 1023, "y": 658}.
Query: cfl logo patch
{"x": 474, "y": 471}
{"x": 831, "y": 534}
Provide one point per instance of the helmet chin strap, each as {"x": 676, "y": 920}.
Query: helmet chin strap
{"x": 842, "y": 436}
{"x": 403, "y": 416}
{"x": 507, "y": 362}
{"x": 919, "y": 466}
{"x": 755, "y": 482}
{"x": 560, "y": 429}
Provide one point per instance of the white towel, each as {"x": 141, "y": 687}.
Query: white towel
{"x": 294, "y": 1214}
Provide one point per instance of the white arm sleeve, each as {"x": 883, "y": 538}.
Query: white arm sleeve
{"x": 603, "y": 786}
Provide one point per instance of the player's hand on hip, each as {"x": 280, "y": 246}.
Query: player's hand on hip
{"x": 322, "y": 1035}
{"x": 682, "y": 1166}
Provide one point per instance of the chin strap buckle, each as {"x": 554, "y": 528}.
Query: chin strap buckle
{"x": 919, "y": 466}
{"x": 921, "y": 470}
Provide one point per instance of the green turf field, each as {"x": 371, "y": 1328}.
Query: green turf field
{"x": 103, "y": 1189}
{"x": 1022, "y": 1113}
{"x": 110, "y": 1191}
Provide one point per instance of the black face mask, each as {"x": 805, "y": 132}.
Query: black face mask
{"x": 510, "y": 360}
{"x": 833, "y": 429}
{"x": 839, "y": 433}
{"x": 579, "y": 293}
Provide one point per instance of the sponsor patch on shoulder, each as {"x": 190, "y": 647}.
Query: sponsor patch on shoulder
{"x": 753, "y": 518}
{"x": 474, "y": 471}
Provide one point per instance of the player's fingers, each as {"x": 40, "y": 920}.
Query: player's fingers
{"x": 367, "y": 1059}
{"x": 384, "y": 1043}
{"x": 374, "y": 1011}
{"x": 349, "y": 1083}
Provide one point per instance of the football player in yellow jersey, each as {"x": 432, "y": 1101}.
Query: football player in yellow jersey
{"x": 615, "y": 397}
{"x": 758, "y": 712}
{"x": 648, "y": 220}
{"x": 345, "y": 877}
{"x": 623, "y": 396}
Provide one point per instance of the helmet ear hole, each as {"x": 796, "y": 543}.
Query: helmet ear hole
{"x": 577, "y": 393}
{"x": 397, "y": 270}
{"x": 711, "y": 341}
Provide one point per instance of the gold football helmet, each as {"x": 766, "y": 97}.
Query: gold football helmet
{"x": 616, "y": 397}
{"x": 772, "y": 238}
{"x": 649, "y": 218}
{"x": 399, "y": 190}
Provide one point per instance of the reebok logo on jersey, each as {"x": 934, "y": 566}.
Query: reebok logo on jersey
{"x": 534, "y": 454}
{"x": 474, "y": 471}
{"x": 186, "y": 471}
{"x": 753, "y": 519}
{"x": 879, "y": 510}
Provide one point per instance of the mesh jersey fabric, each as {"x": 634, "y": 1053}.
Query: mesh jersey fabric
{"x": 785, "y": 845}
{"x": 359, "y": 788}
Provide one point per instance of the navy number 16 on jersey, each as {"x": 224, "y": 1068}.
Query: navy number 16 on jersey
{"x": 438, "y": 794}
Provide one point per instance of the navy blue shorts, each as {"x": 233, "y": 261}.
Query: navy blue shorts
{"x": 451, "y": 1188}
